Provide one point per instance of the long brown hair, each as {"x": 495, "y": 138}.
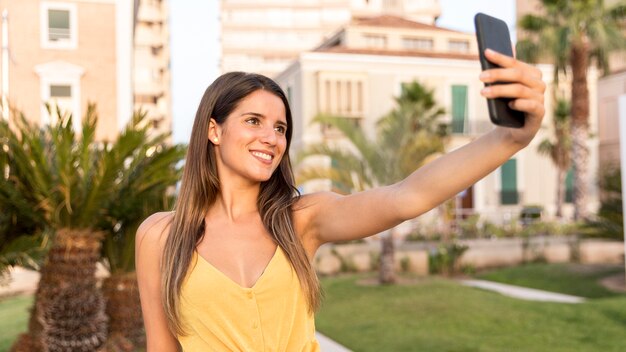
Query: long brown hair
{"x": 200, "y": 186}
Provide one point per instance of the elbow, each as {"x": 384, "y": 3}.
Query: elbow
{"x": 410, "y": 203}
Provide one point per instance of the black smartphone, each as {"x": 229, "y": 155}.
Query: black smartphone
{"x": 492, "y": 33}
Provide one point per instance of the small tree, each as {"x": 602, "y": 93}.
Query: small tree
{"x": 558, "y": 149}
{"x": 609, "y": 221}
{"x": 405, "y": 138}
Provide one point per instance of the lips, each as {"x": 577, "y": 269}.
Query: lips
{"x": 263, "y": 156}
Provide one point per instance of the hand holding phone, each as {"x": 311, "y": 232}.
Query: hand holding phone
{"x": 492, "y": 33}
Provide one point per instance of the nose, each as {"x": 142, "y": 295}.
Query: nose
{"x": 269, "y": 136}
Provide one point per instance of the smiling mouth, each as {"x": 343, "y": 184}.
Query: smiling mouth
{"x": 263, "y": 156}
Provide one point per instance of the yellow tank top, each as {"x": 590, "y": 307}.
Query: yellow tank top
{"x": 221, "y": 315}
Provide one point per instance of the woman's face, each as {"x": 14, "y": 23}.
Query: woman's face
{"x": 252, "y": 140}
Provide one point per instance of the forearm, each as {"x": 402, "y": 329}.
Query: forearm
{"x": 454, "y": 172}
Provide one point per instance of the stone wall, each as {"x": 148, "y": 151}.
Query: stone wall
{"x": 481, "y": 254}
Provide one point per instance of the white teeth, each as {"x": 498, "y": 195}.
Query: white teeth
{"x": 262, "y": 155}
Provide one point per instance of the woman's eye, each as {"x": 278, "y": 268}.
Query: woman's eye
{"x": 281, "y": 129}
{"x": 253, "y": 121}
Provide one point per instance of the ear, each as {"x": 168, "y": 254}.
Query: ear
{"x": 214, "y": 132}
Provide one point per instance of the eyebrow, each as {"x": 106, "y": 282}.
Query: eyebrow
{"x": 263, "y": 117}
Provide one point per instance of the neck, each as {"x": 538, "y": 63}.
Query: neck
{"x": 236, "y": 200}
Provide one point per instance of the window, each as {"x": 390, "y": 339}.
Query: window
{"x": 508, "y": 180}
{"x": 61, "y": 100}
{"x": 417, "y": 43}
{"x": 341, "y": 94}
{"x": 569, "y": 186}
{"x": 145, "y": 99}
{"x": 58, "y": 25}
{"x": 60, "y": 88}
{"x": 460, "y": 46}
{"x": 375, "y": 41}
{"x": 459, "y": 108}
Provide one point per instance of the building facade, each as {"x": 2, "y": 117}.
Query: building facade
{"x": 610, "y": 88}
{"x": 265, "y": 36}
{"x": 66, "y": 53}
{"x": 151, "y": 63}
{"x": 358, "y": 72}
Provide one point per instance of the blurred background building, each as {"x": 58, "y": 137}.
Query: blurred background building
{"x": 151, "y": 62}
{"x": 265, "y": 36}
{"x": 357, "y": 73}
{"x": 68, "y": 53}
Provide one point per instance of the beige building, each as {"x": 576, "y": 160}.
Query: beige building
{"x": 358, "y": 72}
{"x": 265, "y": 36}
{"x": 151, "y": 62}
{"x": 610, "y": 88}
{"x": 67, "y": 53}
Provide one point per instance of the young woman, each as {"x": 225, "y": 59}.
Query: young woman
{"x": 230, "y": 269}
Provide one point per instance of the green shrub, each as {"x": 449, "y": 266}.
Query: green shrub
{"x": 469, "y": 226}
{"x": 444, "y": 260}
{"x": 405, "y": 264}
{"x": 608, "y": 223}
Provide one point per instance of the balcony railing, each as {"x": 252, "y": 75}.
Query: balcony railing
{"x": 469, "y": 127}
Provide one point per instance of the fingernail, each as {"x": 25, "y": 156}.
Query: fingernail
{"x": 485, "y": 91}
{"x": 489, "y": 51}
{"x": 484, "y": 75}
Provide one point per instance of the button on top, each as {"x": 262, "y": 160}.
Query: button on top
{"x": 255, "y": 325}
{"x": 250, "y": 294}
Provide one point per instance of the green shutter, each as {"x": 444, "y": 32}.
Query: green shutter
{"x": 459, "y": 108}
{"x": 569, "y": 186}
{"x": 508, "y": 178}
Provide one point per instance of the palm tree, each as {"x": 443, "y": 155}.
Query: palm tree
{"x": 68, "y": 184}
{"x": 56, "y": 174}
{"x": 575, "y": 33}
{"x": 559, "y": 149}
{"x": 405, "y": 138}
{"x": 147, "y": 179}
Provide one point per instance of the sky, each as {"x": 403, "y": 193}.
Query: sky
{"x": 194, "y": 45}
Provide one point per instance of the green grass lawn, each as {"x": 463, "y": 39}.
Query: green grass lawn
{"x": 441, "y": 315}
{"x": 13, "y": 319}
{"x": 574, "y": 279}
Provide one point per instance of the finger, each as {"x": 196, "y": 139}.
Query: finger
{"x": 514, "y": 90}
{"x": 499, "y": 58}
{"x": 530, "y": 106}
{"x": 526, "y": 77}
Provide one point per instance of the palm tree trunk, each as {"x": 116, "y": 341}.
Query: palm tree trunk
{"x": 560, "y": 190}
{"x": 387, "y": 272}
{"x": 124, "y": 310}
{"x": 68, "y": 314}
{"x": 579, "y": 60}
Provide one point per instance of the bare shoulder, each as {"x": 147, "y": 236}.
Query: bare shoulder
{"x": 305, "y": 211}
{"x": 154, "y": 230}
{"x": 316, "y": 198}
{"x": 310, "y": 203}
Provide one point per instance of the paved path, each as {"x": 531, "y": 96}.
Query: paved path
{"x": 328, "y": 345}
{"x": 523, "y": 292}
